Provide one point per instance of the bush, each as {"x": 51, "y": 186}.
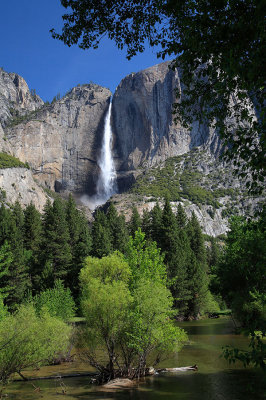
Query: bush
{"x": 57, "y": 301}
{"x": 28, "y": 340}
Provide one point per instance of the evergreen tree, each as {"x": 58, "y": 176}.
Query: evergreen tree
{"x": 118, "y": 229}
{"x": 177, "y": 251}
{"x": 135, "y": 221}
{"x": 197, "y": 272}
{"x": 6, "y": 258}
{"x": 146, "y": 224}
{"x": 101, "y": 236}
{"x": 18, "y": 279}
{"x": 181, "y": 217}
{"x": 196, "y": 239}
{"x": 32, "y": 241}
{"x": 156, "y": 224}
{"x": 56, "y": 252}
{"x": 79, "y": 241}
{"x": 5, "y": 224}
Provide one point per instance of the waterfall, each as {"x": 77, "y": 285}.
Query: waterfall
{"x": 106, "y": 185}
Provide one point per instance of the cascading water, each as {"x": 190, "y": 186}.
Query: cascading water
{"x": 106, "y": 185}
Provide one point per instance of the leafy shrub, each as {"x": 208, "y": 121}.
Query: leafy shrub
{"x": 57, "y": 301}
{"x": 28, "y": 340}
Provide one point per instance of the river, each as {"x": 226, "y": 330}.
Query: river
{"x": 214, "y": 380}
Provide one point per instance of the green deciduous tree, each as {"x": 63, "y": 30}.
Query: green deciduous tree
{"x": 57, "y": 301}
{"x": 241, "y": 281}
{"x": 128, "y": 308}
{"x": 28, "y": 341}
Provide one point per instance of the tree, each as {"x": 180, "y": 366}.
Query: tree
{"x": 118, "y": 229}
{"x": 18, "y": 277}
{"x": 241, "y": 272}
{"x": 105, "y": 304}
{"x": 101, "y": 235}
{"x": 79, "y": 241}
{"x": 127, "y": 312}
{"x": 28, "y": 341}
{"x": 177, "y": 250}
{"x": 32, "y": 242}
{"x": 135, "y": 221}
{"x": 57, "y": 301}
{"x": 198, "y": 279}
{"x": 218, "y": 47}
{"x": 241, "y": 281}
{"x": 56, "y": 251}
{"x": 156, "y": 223}
{"x": 6, "y": 258}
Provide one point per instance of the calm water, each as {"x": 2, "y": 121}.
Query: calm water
{"x": 214, "y": 380}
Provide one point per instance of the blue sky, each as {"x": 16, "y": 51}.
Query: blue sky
{"x": 47, "y": 65}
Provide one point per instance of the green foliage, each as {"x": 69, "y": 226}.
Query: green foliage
{"x": 145, "y": 260}
{"x": 28, "y": 341}
{"x": 8, "y": 161}
{"x": 178, "y": 181}
{"x": 128, "y": 312}
{"x": 241, "y": 281}
{"x": 37, "y": 250}
{"x": 135, "y": 221}
{"x": 56, "y": 249}
{"x": 3, "y": 310}
{"x": 57, "y": 301}
{"x": 117, "y": 228}
{"x": 242, "y": 269}
{"x": 256, "y": 356}
{"x": 101, "y": 235}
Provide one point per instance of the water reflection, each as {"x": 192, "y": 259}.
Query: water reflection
{"x": 215, "y": 380}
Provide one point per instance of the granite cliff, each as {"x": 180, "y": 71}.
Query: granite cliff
{"x": 61, "y": 142}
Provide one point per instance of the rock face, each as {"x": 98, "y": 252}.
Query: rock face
{"x": 15, "y": 97}
{"x": 18, "y": 184}
{"x": 143, "y": 122}
{"x": 61, "y": 141}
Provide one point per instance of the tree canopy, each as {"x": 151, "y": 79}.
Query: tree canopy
{"x": 219, "y": 47}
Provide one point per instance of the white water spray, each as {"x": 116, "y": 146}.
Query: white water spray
{"x": 106, "y": 185}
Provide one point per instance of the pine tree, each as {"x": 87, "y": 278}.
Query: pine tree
{"x": 32, "y": 242}
{"x": 6, "y": 258}
{"x": 56, "y": 252}
{"x": 118, "y": 229}
{"x": 197, "y": 273}
{"x": 156, "y": 224}
{"x": 18, "y": 279}
{"x": 101, "y": 236}
{"x": 146, "y": 224}
{"x": 196, "y": 239}
{"x": 79, "y": 241}
{"x": 177, "y": 250}
{"x": 135, "y": 221}
{"x": 5, "y": 224}
{"x": 181, "y": 217}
